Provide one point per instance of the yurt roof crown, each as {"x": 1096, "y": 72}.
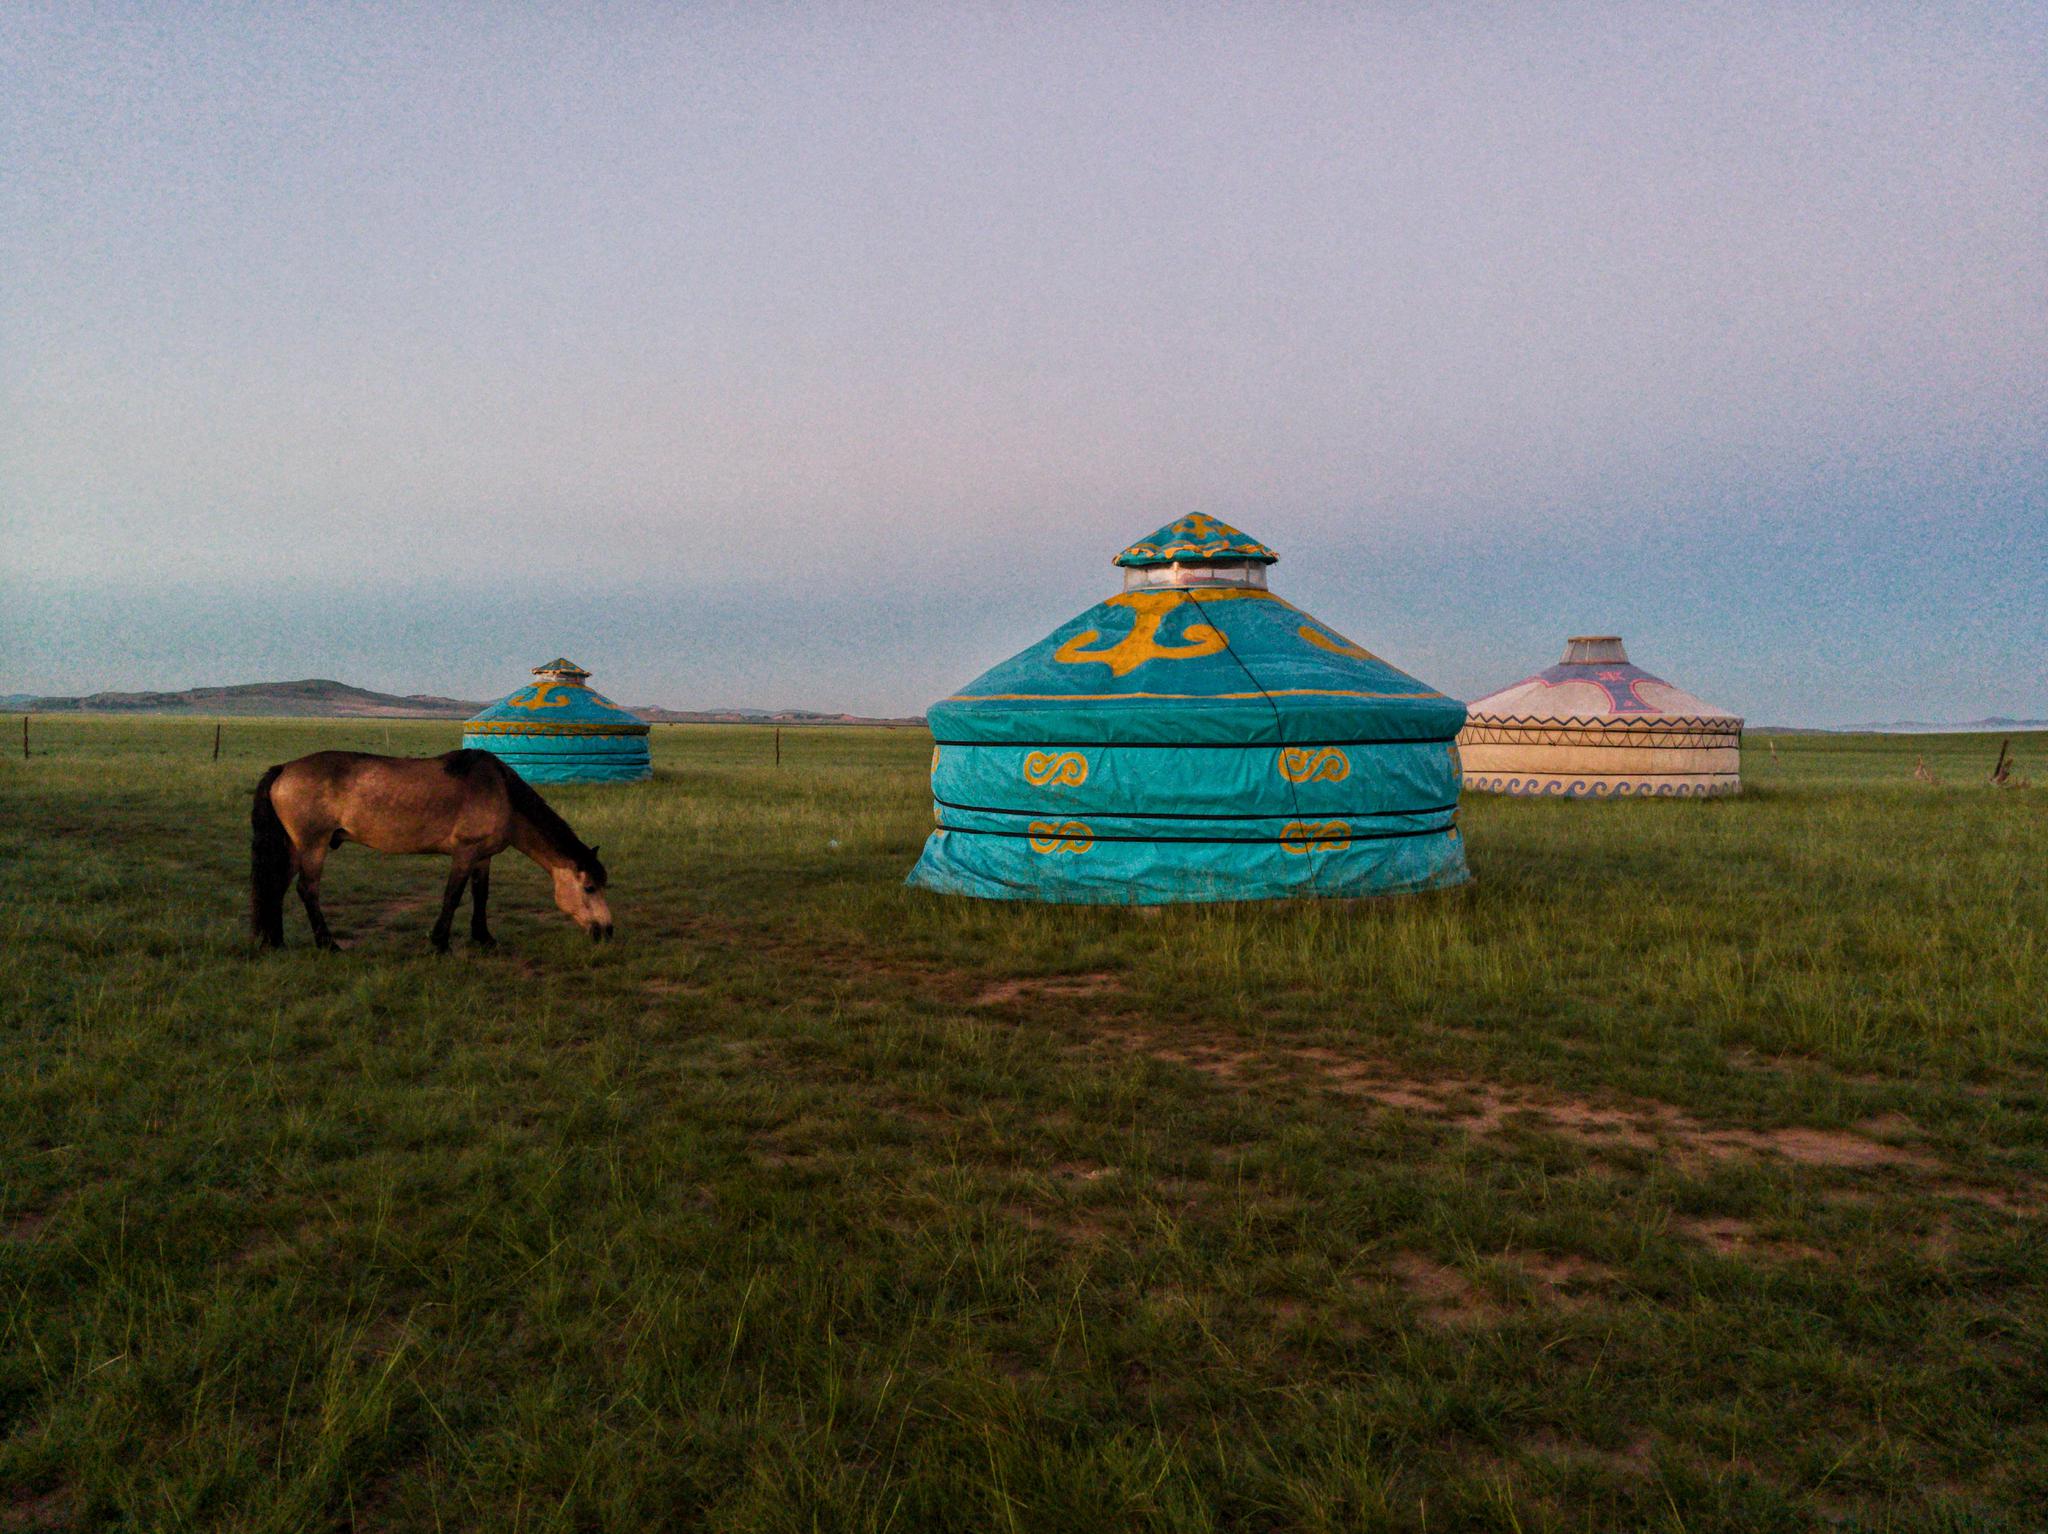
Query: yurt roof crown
{"x": 1197, "y": 550}
{"x": 1594, "y": 650}
{"x": 558, "y": 701}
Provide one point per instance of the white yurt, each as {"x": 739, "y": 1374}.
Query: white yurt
{"x": 1594, "y": 726}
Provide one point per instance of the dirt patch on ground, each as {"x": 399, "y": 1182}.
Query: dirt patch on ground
{"x": 1483, "y": 1108}
{"x": 1212, "y": 1057}
{"x": 1081, "y": 1171}
{"x": 1443, "y": 1295}
{"x": 1480, "y": 1108}
{"x": 834, "y": 961}
{"x": 1009, "y": 993}
{"x": 1634, "y": 1127}
{"x": 1223, "y": 1064}
{"x": 1730, "y": 1236}
{"x": 2004, "y": 1200}
{"x": 1082, "y": 1226}
{"x": 405, "y": 911}
{"x": 37, "y": 1510}
{"x": 1632, "y": 1458}
{"x": 1285, "y": 1308}
{"x": 899, "y": 1107}
{"x": 1827, "y": 1147}
{"x": 1561, "y": 1279}
{"x": 23, "y": 1226}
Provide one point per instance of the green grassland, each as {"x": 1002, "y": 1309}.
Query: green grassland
{"x": 1686, "y": 1171}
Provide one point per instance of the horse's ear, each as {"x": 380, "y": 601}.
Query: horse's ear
{"x": 593, "y": 849}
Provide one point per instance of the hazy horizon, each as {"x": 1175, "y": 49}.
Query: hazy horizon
{"x": 818, "y": 359}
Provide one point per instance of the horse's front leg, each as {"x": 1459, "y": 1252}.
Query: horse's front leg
{"x": 312, "y": 859}
{"x": 458, "y": 876}
{"x": 479, "y": 897}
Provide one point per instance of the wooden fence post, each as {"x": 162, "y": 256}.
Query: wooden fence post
{"x": 216, "y": 741}
{"x": 24, "y": 737}
{"x": 778, "y": 745}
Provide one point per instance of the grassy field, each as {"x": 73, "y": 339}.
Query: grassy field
{"x": 1687, "y": 1171}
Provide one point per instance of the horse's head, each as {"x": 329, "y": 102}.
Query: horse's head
{"x": 579, "y": 891}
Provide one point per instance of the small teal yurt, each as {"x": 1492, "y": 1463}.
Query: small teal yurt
{"x": 559, "y": 731}
{"x": 1193, "y": 737}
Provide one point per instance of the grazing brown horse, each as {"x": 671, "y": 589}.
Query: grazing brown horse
{"x": 467, "y": 805}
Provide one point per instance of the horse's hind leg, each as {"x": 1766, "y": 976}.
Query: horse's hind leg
{"x": 479, "y": 897}
{"x": 451, "y": 897}
{"x": 312, "y": 859}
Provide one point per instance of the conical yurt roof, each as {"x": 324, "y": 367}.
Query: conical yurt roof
{"x": 1208, "y": 662}
{"x": 1193, "y": 737}
{"x": 559, "y": 729}
{"x": 1596, "y": 681}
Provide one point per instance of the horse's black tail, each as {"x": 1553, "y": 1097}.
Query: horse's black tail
{"x": 270, "y": 866}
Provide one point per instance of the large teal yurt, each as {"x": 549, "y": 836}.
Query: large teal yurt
{"x": 558, "y": 730}
{"x": 1193, "y": 737}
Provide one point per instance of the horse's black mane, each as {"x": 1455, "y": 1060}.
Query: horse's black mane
{"x": 535, "y": 811}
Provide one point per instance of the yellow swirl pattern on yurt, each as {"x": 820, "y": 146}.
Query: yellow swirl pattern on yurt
{"x": 1336, "y": 644}
{"x": 1315, "y": 835}
{"x": 1196, "y": 537}
{"x": 1069, "y": 767}
{"x": 1142, "y": 642}
{"x": 935, "y": 758}
{"x": 1060, "y": 836}
{"x": 541, "y": 695}
{"x": 1298, "y": 764}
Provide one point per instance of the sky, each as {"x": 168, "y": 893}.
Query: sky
{"x": 822, "y": 356}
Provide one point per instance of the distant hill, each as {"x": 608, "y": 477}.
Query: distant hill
{"x": 317, "y": 698}
{"x": 1991, "y": 726}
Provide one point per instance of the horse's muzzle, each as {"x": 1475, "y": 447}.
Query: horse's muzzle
{"x": 601, "y": 932}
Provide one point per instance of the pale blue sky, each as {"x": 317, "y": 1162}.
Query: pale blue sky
{"x": 822, "y": 356}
